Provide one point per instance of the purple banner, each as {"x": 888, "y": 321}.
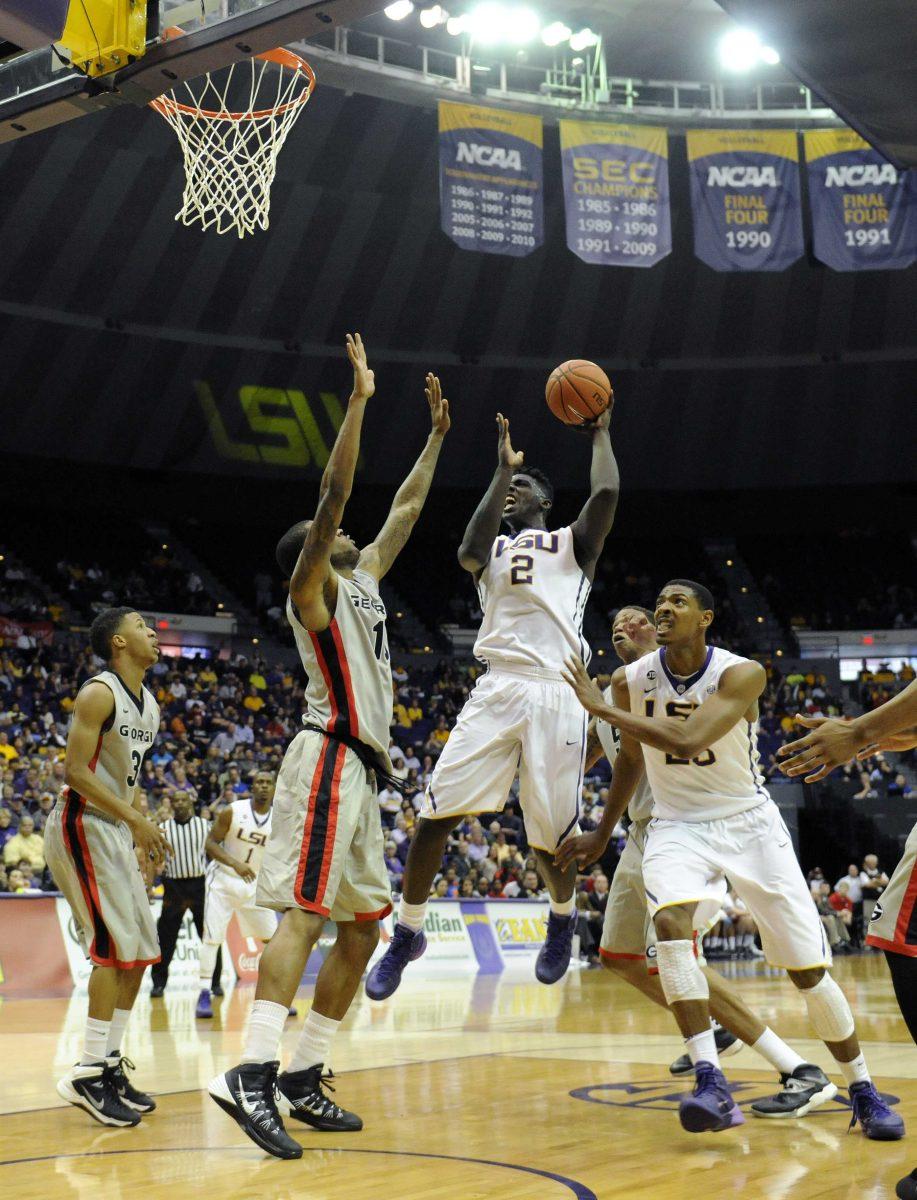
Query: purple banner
{"x": 745, "y": 199}
{"x": 864, "y": 211}
{"x": 616, "y": 192}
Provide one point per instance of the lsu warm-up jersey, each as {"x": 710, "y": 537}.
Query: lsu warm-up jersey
{"x": 533, "y": 595}
{"x": 720, "y": 781}
{"x": 248, "y": 835}
{"x": 350, "y": 673}
{"x": 125, "y": 739}
{"x": 640, "y": 807}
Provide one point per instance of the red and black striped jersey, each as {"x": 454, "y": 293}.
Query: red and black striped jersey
{"x": 349, "y": 691}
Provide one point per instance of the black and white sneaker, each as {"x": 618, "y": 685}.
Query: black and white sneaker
{"x": 118, "y": 1066}
{"x": 726, "y": 1044}
{"x": 249, "y": 1094}
{"x": 92, "y": 1088}
{"x": 806, "y": 1089}
{"x": 302, "y": 1095}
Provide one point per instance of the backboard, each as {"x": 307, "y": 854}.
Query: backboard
{"x": 40, "y": 89}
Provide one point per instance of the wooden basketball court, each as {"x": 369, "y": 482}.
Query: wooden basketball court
{"x": 470, "y": 1087}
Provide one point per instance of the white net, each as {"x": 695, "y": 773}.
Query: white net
{"x": 231, "y": 130}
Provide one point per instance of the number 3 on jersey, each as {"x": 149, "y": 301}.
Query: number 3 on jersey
{"x": 682, "y": 712}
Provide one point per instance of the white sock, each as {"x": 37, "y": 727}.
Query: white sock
{"x": 412, "y": 915}
{"x": 702, "y": 1048}
{"x": 116, "y": 1031}
{"x": 781, "y": 1056}
{"x": 265, "y": 1027}
{"x": 856, "y": 1071}
{"x": 208, "y": 964}
{"x": 95, "y": 1041}
{"x": 314, "y": 1045}
{"x": 563, "y": 908}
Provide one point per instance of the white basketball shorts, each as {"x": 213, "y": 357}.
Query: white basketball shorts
{"x": 525, "y": 720}
{"x": 228, "y": 894}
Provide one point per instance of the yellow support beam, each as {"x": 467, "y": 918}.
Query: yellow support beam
{"x": 104, "y": 35}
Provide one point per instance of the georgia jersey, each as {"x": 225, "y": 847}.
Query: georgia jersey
{"x": 640, "y": 807}
{"x": 125, "y": 738}
{"x": 350, "y": 673}
{"x": 533, "y": 594}
{"x": 720, "y": 781}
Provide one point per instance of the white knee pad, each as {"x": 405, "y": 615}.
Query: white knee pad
{"x": 829, "y": 1011}
{"x": 679, "y": 974}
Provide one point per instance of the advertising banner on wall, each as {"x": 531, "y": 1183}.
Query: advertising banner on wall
{"x": 745, "y": 198}
{"x": 490, "y": 179}
{"x": 616, "y": 193}
{"x": 520, "y": 925}
{"x": 864, "y": 210}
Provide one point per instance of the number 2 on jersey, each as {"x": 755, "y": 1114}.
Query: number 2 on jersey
{"x": 521, "y": 566}
{"x": 682, "y": 712}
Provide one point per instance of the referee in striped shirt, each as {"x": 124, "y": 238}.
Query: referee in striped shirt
{"x": 183, "y": 886}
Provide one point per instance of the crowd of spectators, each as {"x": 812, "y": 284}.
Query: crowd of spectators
{"x": 846, "y": 908}
{"x": 152, "y": 581}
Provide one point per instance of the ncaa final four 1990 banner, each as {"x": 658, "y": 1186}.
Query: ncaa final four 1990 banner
{"x": 745, "y": 198}
{"x": 864, "y": 211}
{"x": 616, "y": 192}
{"x": 490, "y": 179}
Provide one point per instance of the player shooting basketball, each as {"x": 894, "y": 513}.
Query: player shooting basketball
{"x": 533, "y": 585}
{"x": 325, "y": 856}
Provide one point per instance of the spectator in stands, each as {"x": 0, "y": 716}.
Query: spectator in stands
{"x": 478, "y": 849}
{"x": 45, "y": 805}
{"x": 389, "y": 805}
{"x": 816, "y": 877}
{"x": 529, "y": 888}
{"x": 393, "y": 865}
{"x": 900, "y": 787}
{"x": 25, "y": 844}
{"x": 7, "y": 828}
{"x": 225, "y": 740}
{"x": 842, "y": 906}
{"x": 7, "y": 750}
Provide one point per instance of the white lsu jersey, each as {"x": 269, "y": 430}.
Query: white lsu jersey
{"x": 640, "y": 807}
{"x": 349, "y": 690}
{"x": 125, "y": 739}
{"x": 718, "y": 782}
{"x": 247, "y": 837}
{"x": 533, "y": 594}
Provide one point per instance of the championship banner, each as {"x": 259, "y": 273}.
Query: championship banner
{"x": 864, "y": 211}
{"x": 745, "y": 198}
{"x": 490, "y": 179}
{"x": 616, "y": 193}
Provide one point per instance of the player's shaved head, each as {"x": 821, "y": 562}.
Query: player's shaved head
{"x": 289, "y": 547}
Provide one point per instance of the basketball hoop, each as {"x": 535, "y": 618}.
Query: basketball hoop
{"x": 231, "y": 132}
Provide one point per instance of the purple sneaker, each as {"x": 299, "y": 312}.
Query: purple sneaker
{"x": 554, "y": 956}
{"x": 710, "y": 1107}
{"x": 877, "y": 1119}
{"x": 405, "y": 946}
{"x": 204, "y": 1007}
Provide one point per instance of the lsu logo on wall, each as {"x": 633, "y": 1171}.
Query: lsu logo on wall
{"x": 280, "y": 427}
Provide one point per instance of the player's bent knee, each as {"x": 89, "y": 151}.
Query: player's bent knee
{"x": 679, "y": 973}
{"x": 829, "y": 1011}
{"x": 670, "y": 924}
{"x": 807, "y": 979}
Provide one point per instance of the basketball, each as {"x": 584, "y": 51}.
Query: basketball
{"x": 577, "y": 391}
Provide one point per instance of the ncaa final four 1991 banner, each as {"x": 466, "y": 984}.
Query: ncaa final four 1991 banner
{"x": 864, "y": 211}
{"x": 745, "y": 198}
{"x": 490, "y": 179}
{"x": 616, "y": 192}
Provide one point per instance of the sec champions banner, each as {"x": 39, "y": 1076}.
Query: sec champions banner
{"x": 864, "y": 211}
{"x": 616, "y": 192}
{"x": 490, "y": 179}
{"x": 745, "y": 198}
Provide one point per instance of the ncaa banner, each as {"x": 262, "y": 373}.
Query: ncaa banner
{"x": 616, "y": 193}
{"x": 490, "y": 179}
{"x": 745, "y": 198}
{"x": 864, "y": 211}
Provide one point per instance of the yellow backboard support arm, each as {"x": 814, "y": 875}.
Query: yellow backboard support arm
{"x": 105, "y": 35}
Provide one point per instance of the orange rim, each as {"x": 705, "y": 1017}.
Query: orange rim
{"x": 280, "y": 57}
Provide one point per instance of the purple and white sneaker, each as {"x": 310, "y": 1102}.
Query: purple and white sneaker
{"x": 405, "y": 947}
{"x": 204, "y": 1010}
{"x": 877, "y": 1119}
{"x": 554, "y": 956}
{"x": 710, "y": 1107}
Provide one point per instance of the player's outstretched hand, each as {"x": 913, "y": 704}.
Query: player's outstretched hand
{"x": 587, "y": 690}
{"x": 506, "y": 455}
{"x": 245, "y": 873}
{"x": 602, "y": 421}
{"x": 585, "y": 849}
{"x": 364, "y": 380}
{"x": 439, "y": 408}
{"x": 832, "y": 742}
{"x": 150, "y": 841}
